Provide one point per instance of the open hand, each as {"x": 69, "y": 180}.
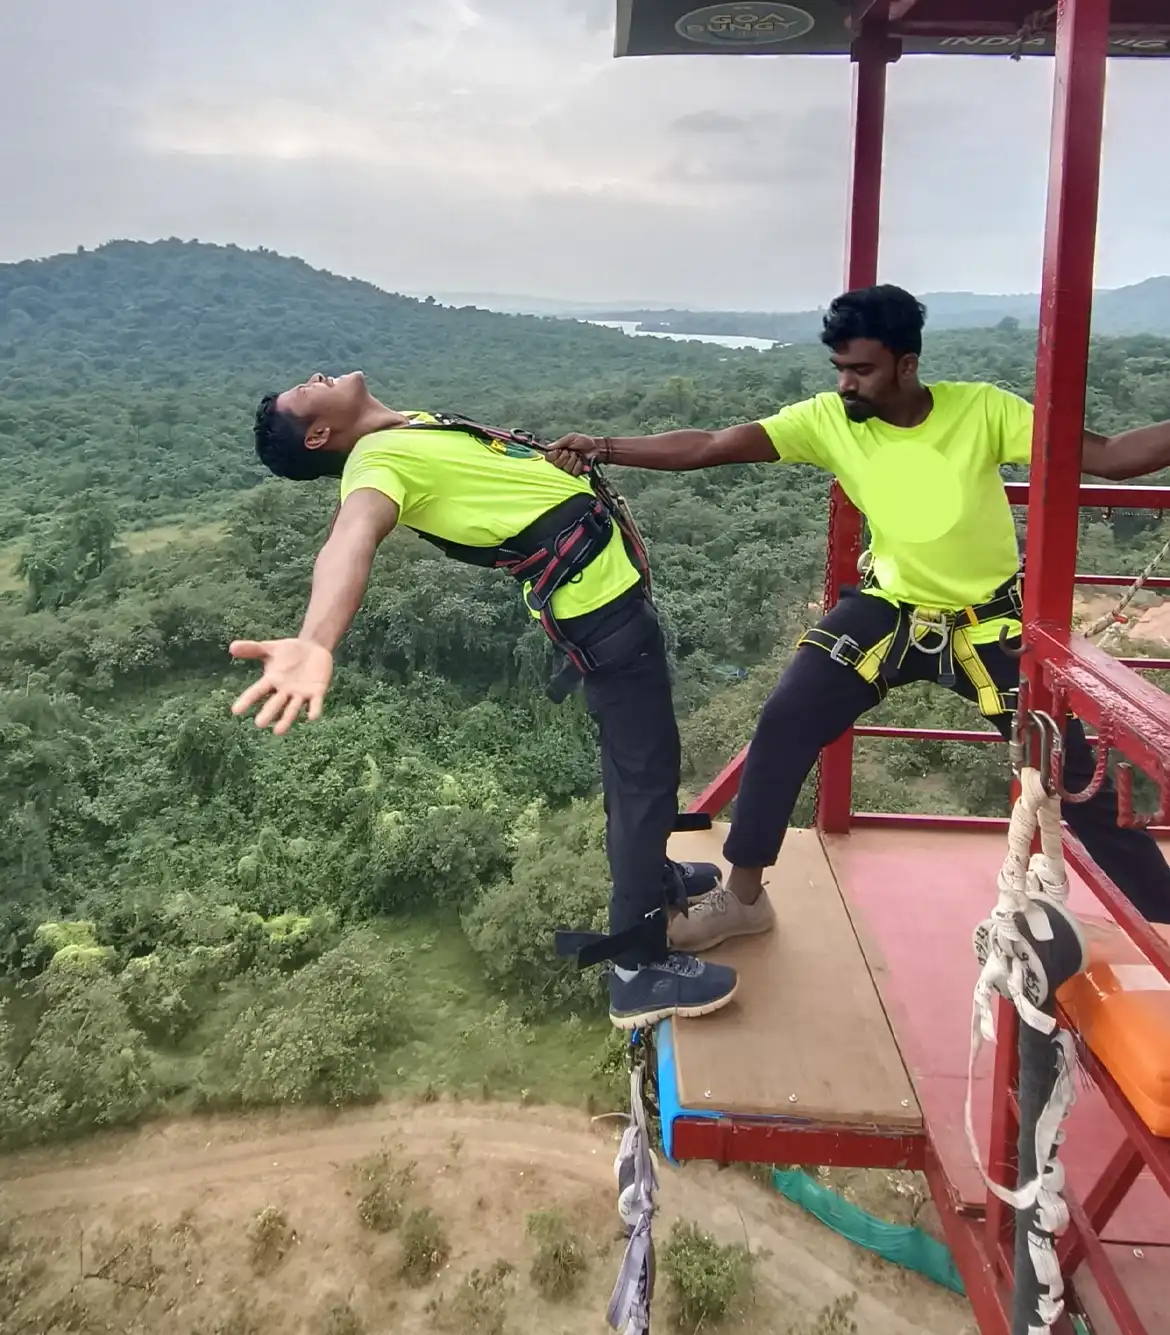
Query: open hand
{"x": 296, "y": 673}
{"x": 574, "y": 453}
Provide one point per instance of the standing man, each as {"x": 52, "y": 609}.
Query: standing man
{"x": 488, "y": 498}
{"x": 940, "y": 600}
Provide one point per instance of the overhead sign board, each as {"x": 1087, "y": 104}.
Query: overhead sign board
{"x": 821, "y": 27}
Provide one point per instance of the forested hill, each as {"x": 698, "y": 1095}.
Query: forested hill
{"x": 1141, "y": 308}
{"x": 149, "y": 312}
{"x": 136, "y": 367}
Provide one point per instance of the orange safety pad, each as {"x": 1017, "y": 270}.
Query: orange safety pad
{"x": 1121, "y": 1004}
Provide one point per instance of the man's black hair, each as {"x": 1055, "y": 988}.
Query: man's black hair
{"x": 280, "y": 445}
{"x": 889, "y": 315}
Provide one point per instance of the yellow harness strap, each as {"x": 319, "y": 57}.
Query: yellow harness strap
{"x": 868, "y": 662}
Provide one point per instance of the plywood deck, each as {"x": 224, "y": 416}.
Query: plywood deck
{"x": 1145, "y": 1277}
{"x": 915, "y": 897}
{"x": 806, "y": 1038}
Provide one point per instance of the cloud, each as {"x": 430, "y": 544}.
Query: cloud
{"x": 495, "y": 145}
{"x": 710, "y": 122}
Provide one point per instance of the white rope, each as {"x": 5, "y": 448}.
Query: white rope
{"x": 1110, "y": 623}
{"x": 636, "y": 1171}
{"x": 1025, "y": 881}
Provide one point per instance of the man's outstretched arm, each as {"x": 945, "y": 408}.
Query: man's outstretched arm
{"x": 1130, "y": 454}
{"x": 297, "y": 671}
{"x": 674, "y": 451}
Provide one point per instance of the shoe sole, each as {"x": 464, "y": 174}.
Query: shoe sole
{"x": 691, "y": 949}
{"x": 640, "y": 1019}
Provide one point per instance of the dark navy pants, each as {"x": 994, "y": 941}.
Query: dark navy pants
{"x": 818, "y": 699}
{"x": 632, "y": 704}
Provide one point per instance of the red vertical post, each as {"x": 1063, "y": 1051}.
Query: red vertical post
{"x": 871, "y": 54}
{"x": 1066, "y": 300}
{"x": 1074, "y": 173}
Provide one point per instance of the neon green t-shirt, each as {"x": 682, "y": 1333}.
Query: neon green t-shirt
{"x": 941, "y": 528}
{"x": 453, "y": 485}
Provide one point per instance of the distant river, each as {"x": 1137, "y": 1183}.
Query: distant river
{"x": 724, "y": 340}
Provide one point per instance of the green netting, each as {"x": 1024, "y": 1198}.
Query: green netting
{"x": 902, "y": 1244}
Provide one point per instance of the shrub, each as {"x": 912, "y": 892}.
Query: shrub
{"x": 834, "y": 1319}
{"x": 709, "y": 1282}
{"x": 380, "y": 1206}
{"x": 479, "y": 1306}
{"x": 560, "y": 878}
{"x": 438, "y": 856}
{"x": 293, "y": 940}
{"x": 85, "y": 1065}
{"x": 167, "y": 992}
{"x": 498, "y": 1040}
{"x": 425, "y": 1248}
{"x": 313, "y": 1038}
{"x": 69, "y": 945}
{"x": 560, "y": 1262}
{"x": 270, "y": 1239}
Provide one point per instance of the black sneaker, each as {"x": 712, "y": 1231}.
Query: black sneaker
{"x": 678, "y": 985}
{"x": 698, "y": 878}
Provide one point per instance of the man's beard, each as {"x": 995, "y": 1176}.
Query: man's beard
{"x": 858, "y": 410}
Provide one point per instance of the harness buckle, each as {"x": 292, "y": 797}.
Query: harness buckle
{"x": 837, "y": 652}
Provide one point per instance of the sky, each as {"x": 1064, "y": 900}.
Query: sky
{"x": 496, "y": 146}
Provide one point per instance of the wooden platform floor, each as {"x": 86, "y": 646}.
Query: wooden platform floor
{"x": 807, "y": 1038}
{"x": 914, "y": 897}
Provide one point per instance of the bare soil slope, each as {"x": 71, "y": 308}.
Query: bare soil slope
{"x": 156, "y": 1231}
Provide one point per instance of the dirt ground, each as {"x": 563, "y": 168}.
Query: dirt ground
{"x": 155, "y": 1231}
{"x": 1147, "y": 623}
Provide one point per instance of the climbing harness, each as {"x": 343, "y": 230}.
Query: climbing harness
{"x": 1027, "y": 949}
{"x": 636, "y": 1171}
{"x": 555, "y": 550}
{"x": 930, "y": 631}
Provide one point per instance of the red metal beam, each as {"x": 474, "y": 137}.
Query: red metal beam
{"x": 1135, "y": 716}
{"x": 719, "y": 792}
{"x": 1065, "y": 305}
{"x": 732, "y": 1139}
{"x": 1103, "y": 497}
{"x": 1101, "y": 1203}
{"x": 1103, "y": 1271}
{"x": 871, "y": 56}
{"x": 985, "y": 1293}
{"x": 920, "y": 820}
{"x": 1130, "y": 712}
{"x": 1124, "y": 581}
{"x": 1058, "y": 433}
{"x": 930, "y": 734}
